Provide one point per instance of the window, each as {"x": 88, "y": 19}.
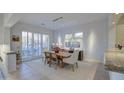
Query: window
{"x": 68, "y": 36}
{"x": 27, "y": 44}
{"x": 32, "y": 44}
{"x": 36, "y": 44}
{"x": 68, "y": 40}
{"x": 45, "y": 41}
{"x": 74, "y": 40}
{"x": 24, "y": 40}
{"x": 78, "y": 40}
{"x": 24, "y": 43}
{"x": 39, "y": 44}
{"x": 78, "y": 35}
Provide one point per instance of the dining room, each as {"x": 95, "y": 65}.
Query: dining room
{"x": 61, "y": 46}
{"x": 66, "y": 43}
{"x": 70, "y": 42}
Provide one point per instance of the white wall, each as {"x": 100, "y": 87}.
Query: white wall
{"x": 4, "y": 44}
{"x": 120, "y": 34}
{"x": 4, "y": 35}
{"x": 7, "y": 38}
{"x": 1, "y": 29}
{"x": 19, "y": 27}
{"x": 111, "y": 33}
{"x": 95, "y": 38}
{"x": 112, "y": 37}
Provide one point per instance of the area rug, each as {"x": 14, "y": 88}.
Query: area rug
{"x": 84, "y": 71}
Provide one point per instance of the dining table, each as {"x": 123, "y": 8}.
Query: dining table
{"x": 61, "y": 56}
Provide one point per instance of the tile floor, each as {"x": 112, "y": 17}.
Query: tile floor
{"x": 36, "y": 70}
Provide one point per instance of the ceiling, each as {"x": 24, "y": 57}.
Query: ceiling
{"x": 69, "y": 19}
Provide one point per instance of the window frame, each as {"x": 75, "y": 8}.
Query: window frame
{"x": 74, "y": 40}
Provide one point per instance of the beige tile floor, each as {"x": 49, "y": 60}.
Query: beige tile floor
{"x": 36, "y": 70}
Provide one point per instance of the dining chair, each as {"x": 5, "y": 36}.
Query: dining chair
{"x": 43, "y": 56}
{"x": 1, "y": 59}
{"x": 72, "y": 60}
{"x": 54, "y": 59}
{"x": 47, "y": 57}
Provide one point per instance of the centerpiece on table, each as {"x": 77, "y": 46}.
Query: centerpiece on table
{"x": 56, "y": 49}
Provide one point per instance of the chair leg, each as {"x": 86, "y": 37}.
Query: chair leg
{"x": 44, "y": 61}
{"x": 73, "y": 68}
{"x": 56, "y": 66}
{"x": 76, "y": 64}
{"x": 49, "y": 64}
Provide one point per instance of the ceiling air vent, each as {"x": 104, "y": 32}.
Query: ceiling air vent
{"x": 42, "y": 24}
{"x": 57, "y": 19}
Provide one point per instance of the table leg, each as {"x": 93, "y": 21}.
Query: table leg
{"x": 62, "y": 64}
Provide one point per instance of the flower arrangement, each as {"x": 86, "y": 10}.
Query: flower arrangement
{"x": 56, "y": 49}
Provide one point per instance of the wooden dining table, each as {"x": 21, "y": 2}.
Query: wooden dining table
{"x": 60, "y": 56}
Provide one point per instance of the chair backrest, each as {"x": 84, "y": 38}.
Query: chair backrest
{"x": 75, "y": 55}
{"x": 53, "y": 55}
{"x": 1, "y": 59}
{"x": 47, "y": 54}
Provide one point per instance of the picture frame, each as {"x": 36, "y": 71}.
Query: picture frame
{"x": 15, "y": 38}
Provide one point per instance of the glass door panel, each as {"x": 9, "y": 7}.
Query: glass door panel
{"x": 35, "y": 44}
{"x": 39, "y": 44}
{"x": 32, "y": 44}
{"x": 30, "y": 50}
{"x": 24, "y": 44}
{"x": 45, "y": 42}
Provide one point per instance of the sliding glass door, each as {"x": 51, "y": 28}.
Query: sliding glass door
{"x": 45, "y": 42}
{"x": 24, "y": 44}
{"x": 33, "y": 44}
{"x": 29, "y": 44}
{"x": 37, "y": 44}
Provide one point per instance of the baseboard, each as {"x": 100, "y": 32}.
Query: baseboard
{"x": 30, "y": 59}
{"x": 92, "y": 60}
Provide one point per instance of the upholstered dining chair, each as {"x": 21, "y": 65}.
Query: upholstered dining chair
{"x": 72, "y": 60}
{"x": 47, "y": 57}
{"x": 1, "y": 59}
{"x": 54, "y": 59}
